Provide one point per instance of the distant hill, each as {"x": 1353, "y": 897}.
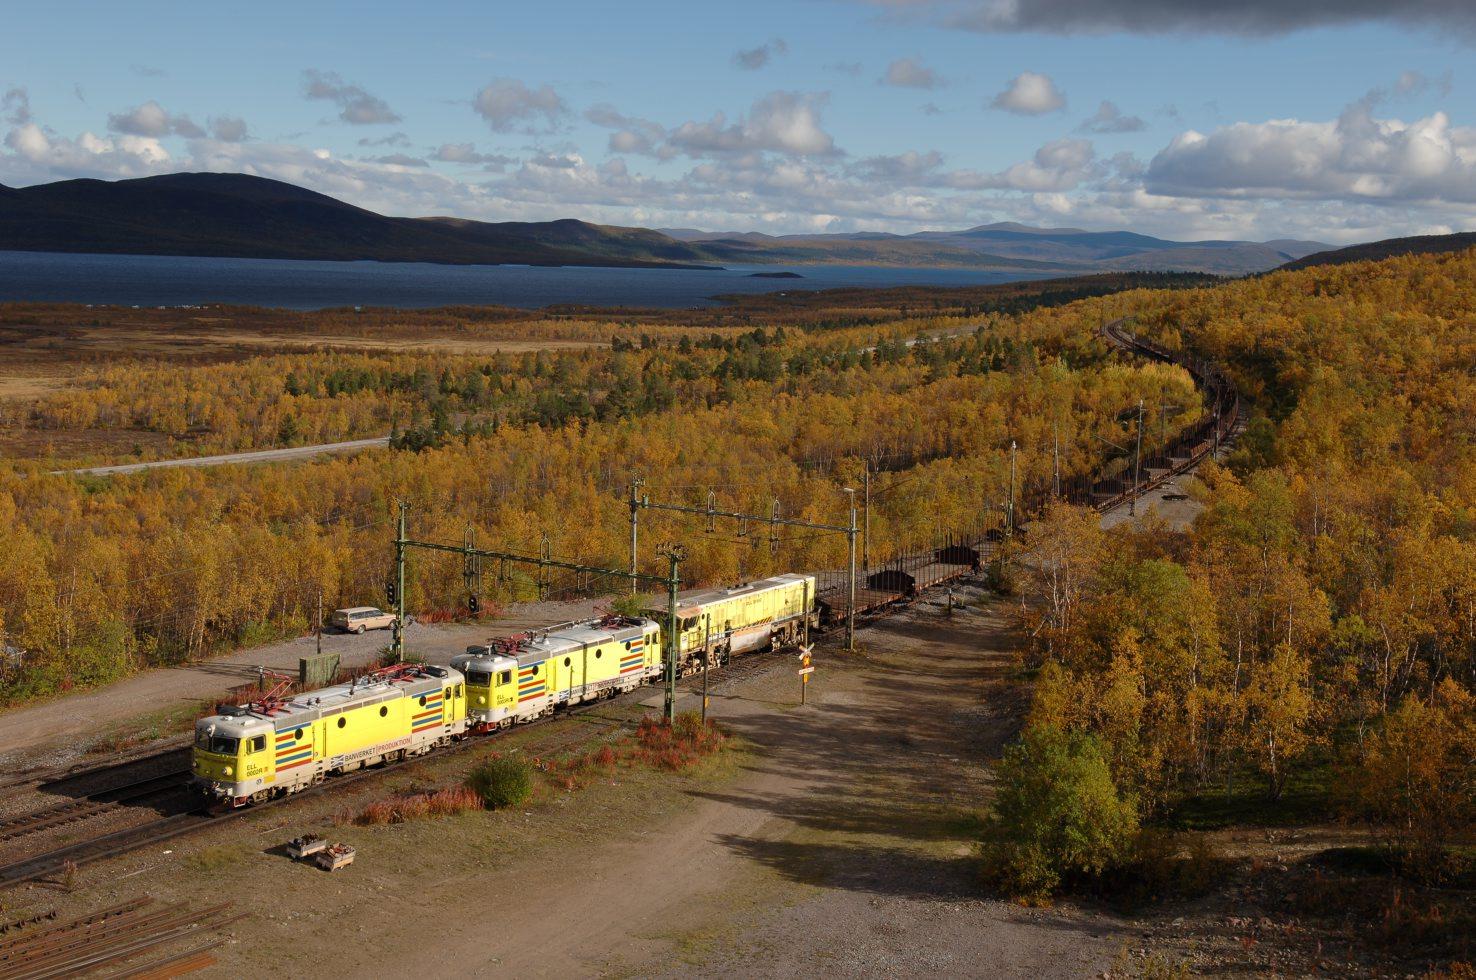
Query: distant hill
{"x": 240, "y": 215}
{"x": 243, "y": 216}
{"x": 1006, "y": 245}
{"x": 1388, "y": 248}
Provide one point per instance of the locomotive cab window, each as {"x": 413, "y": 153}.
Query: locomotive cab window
{"x": 566, "y": 661}
{"x": 383, "y": 711}
{"x": 217, "y": 744}
{"x": 258, "y": 744}
{"x": 342, "y": 721}
{"x": 505, "y": 677}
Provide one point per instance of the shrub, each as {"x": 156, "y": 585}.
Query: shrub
{"x": 416, "y": 806}
{"x": 502, "y": 782}
{"x": 679, "y": 744}
{"x": 1057, "y": 814}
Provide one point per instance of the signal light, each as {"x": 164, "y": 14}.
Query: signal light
{"x": 389, "y": 590}
{"x": 473, "y": 603}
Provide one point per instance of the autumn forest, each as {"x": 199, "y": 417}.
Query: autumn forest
{"x": 1309, "y": 644}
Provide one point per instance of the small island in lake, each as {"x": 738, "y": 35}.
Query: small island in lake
{"x": 775, "y": 275}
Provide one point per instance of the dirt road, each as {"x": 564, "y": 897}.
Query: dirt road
{"x": 256, "y": 456}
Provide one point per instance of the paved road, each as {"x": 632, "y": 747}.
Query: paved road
{"x": 259, "y": 456}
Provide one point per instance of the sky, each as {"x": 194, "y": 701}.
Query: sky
{"x": 1332, "y": 120}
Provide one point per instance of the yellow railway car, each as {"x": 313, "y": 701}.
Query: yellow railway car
{"x": 254, "y": 752}
{"x": 525, "y": 677}
{"x": 760, "y": 615}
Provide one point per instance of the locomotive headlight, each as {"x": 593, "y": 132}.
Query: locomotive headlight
{"x": 481, "y": 699}
{"x": 227, "y": 771}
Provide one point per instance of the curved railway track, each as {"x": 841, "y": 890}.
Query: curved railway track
{"x": 1190, "y": 448}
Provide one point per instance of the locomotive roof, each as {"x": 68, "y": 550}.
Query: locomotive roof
{"x": 689, "y": 603}
{"x": 329, "y": 701}
{"x": 568, "y": 637}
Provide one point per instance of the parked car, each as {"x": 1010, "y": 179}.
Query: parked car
{"x": 361, "y": 618}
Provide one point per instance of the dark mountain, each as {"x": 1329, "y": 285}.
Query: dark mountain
{"x": 245, "y": 216}
{"x": 1388, "y": 248}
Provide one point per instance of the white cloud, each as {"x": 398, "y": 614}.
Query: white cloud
{"x": 910, "y": 73}
{"x": 466, "y": 153}
{"x": 391, "y": 139}
{"x": 1030, "y": 94}
{"x": 506, "y": 103}
{"x": 1354, "y": 158}
{"x": 228, "y": 129}
{"x": 781, "y": 122}
{"x": 1109, "y": 119}
{"x": 356, "y": 106}
{"x": 153, "y": 120}
{"x": 16, "y": 106}
{"x": 398, "y": 160}
{"x": 752, "y": 59}
{"x": 88, "y": 155}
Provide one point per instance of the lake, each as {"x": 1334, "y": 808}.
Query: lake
{"x": 165, "y": 280}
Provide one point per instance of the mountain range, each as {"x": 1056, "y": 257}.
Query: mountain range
{"x": 240, "y": 215}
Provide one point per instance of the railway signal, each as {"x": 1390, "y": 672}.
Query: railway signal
{"x": 805, "y": 670}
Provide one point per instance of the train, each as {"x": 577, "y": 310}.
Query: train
{"x": 279, "y": 744}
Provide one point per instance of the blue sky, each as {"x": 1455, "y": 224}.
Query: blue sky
{"x": 1338, "y": 120}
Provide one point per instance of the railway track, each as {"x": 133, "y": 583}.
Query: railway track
{"x": 93, "y": 805}
{"x": 111, "y": 937}
{"x": 55, "y": 776}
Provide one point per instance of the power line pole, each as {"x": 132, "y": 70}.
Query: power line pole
{"x": 674, "y": 555}
{"x": 851, "y": 563}
{"x": 635, "y": 509}
{"x": 866, "y": 525}
{"x": 1010, "y": 505}
{"x": 1056, "y": 460}
{"x": 1137, "y": 463}
{"x": 400, "y": 539}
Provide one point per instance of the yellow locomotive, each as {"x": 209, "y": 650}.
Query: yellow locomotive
{"x": 280, "y": 745}
{"x": 531, "y": 675}
{"x": 276, "y": 746}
